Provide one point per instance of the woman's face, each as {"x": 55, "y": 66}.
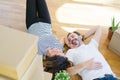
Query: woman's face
{"x": 54, "y": 52}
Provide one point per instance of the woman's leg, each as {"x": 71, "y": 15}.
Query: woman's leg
{"x": 31, "y": 12}
{"x": 43, "y": 12}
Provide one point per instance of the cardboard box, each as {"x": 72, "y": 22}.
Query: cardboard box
{"x": 47, "y": 76}
{"x": 35, "y": 71}
{"x": 17, "y": 50}
{"x": 4, "y": 78}
{"x": 114, "y": 44}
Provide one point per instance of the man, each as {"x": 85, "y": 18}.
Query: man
{"x": 38, "y": 23}
{"x": 80, "y": 53}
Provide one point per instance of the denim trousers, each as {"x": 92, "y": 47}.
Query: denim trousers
{"x": 107, "y": 77}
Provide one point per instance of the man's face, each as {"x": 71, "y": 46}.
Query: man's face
{"x": 74, "y": 40}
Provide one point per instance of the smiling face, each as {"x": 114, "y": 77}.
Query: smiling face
{"x": 54, "y": 52}
{"x": 74, "y": 40}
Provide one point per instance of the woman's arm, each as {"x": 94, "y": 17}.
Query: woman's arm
{"x": 89, "y": 65}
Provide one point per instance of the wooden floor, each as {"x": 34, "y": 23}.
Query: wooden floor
{"x": 69, "y": 15}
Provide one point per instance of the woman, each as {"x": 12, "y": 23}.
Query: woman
{"x": 38, "y": 23}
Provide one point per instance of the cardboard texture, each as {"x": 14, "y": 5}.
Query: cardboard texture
{"x": 47, "y": 76}
{"x": 4, "y": 78}
{"x": 17, "y": 50}
{"x": 114, "y": 43}
{"x": 35, "y": 71}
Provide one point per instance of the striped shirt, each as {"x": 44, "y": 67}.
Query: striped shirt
{"x": 46, "y": 38}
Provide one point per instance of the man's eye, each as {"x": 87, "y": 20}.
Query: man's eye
{"x": 72, "y": 36}
{"x": 68, "y": 39}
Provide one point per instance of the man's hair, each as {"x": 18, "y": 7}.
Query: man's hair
{"x": 56, "y": 63}
{"x": 75, "y": 33}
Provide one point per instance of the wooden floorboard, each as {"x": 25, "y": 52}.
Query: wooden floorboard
{"x": 12, "y": 14}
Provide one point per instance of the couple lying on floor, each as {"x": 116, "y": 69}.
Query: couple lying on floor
{"x": 85, "y": 60}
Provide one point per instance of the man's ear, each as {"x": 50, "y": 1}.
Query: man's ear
{"x": 66, "y": 41}
{"x": 80, "y": 37}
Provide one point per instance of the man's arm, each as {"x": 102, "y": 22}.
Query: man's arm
{"x": 96, "y": 31}
{"x": 97, "y": 34}
{"x": 89, "y": 65}
{"x": 62, "y": 40}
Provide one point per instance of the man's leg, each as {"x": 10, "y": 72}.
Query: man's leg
{"x": 31, "y": 12}
{"x": 43, "y": 12}
{"x": 107, "y": 77}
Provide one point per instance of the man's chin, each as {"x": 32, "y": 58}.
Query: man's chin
{"x": 77, "y": 45}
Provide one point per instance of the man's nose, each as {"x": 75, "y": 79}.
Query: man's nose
{"x": 71, "y": 38}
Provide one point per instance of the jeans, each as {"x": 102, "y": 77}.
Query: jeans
{"x": 107, "y": 77}
{"x": 36, "y": 11}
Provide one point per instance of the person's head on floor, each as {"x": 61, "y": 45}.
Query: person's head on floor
{"x": 56, "y": 63}
{"x": 54, "y": 52}
{"x": 74, "y": 39}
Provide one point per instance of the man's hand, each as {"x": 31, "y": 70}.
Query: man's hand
{"x": 62, "y": 40}
{"x": 93, "y": 65}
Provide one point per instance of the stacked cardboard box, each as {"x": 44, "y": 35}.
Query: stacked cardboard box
{"x": 18, "y": 56}
{"x": 114, "y": 43}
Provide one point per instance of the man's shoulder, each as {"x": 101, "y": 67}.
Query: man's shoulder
{"x": 93, "y": 42}
{"x": 71, "y": 50}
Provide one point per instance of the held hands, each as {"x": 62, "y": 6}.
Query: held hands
{"x": 93, "y": 65}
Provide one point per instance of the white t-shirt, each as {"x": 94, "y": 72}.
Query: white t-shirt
{"x": 86, "y": 52}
